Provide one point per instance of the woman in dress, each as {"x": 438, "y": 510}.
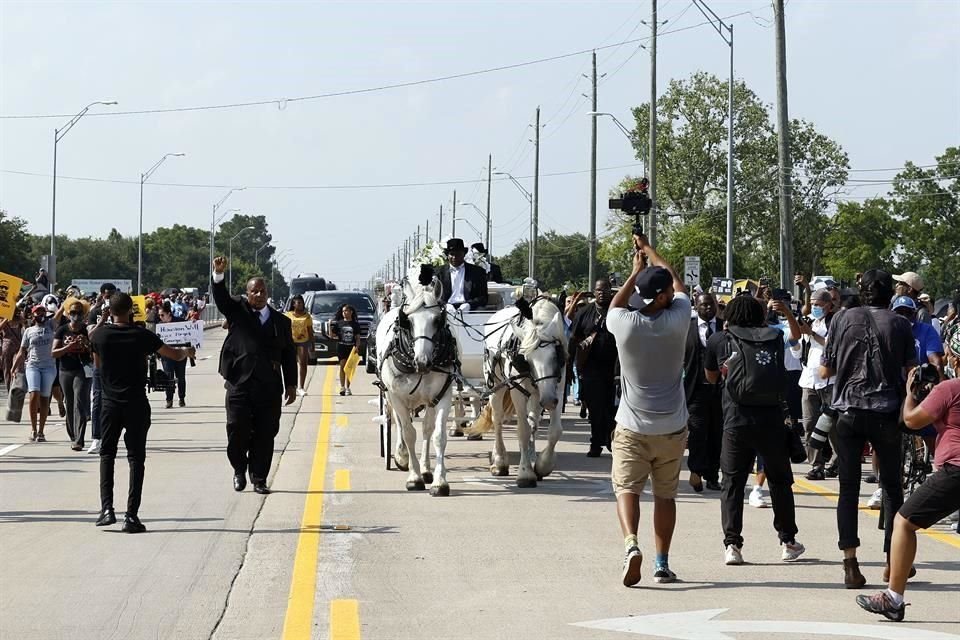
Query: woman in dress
{"x": 346, "y": 331}
{"x": 301, "y": 323}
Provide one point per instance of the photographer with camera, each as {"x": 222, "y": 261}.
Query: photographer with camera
{"x": 817, "y": 392}
{"x": 869, "y": 350}
{"x": 936, "y": 498}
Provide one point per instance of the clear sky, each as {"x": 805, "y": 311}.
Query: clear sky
{"x": 880, "y": 76}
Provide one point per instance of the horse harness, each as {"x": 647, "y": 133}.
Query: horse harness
{"x": 518, "y": 362}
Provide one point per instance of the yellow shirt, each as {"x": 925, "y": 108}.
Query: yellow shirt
{"x": 300, "y": 325}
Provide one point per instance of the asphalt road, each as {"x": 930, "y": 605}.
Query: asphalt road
{"x": 341, "y": 550}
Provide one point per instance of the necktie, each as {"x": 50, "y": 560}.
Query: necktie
{"x": 709, "y": 329}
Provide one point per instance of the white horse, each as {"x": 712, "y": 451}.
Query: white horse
{"x": 416, "y": 356}
{"x": 524, "y": 356}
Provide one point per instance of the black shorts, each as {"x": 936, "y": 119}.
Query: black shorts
{"x": 935, "y": 499}
{"x": 343, "y": 351}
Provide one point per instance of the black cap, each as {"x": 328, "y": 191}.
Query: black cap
{"x": 107, "y": 286}
{"x": 454, "y": 245}
{"x": 651, "y": 282}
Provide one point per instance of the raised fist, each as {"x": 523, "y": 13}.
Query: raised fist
{"x": 219, "y": 264}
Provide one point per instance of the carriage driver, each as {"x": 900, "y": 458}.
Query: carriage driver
{"x": 464, "y": 285}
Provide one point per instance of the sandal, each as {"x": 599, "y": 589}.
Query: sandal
{"x": 40, "y": 438}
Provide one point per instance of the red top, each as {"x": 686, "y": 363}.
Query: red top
{"x": 943, "y": 404}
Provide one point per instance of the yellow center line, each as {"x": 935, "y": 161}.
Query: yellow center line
{"x": 344, "y": 620}
{"x": 950, "y": 539}
{"x": 341, "y": 480}
{"x": 298, "y": 622}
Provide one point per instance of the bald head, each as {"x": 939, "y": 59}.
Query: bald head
{"x": 257, "y": 293}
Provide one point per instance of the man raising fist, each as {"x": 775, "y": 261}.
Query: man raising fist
{"x": 259, "y": 366}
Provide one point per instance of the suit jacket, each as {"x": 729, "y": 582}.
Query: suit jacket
{"x": 474, "y": 285}
{"x": 255, "y": 354}
{"x": 495, "y": 275}
{"x": 693, "y": 357}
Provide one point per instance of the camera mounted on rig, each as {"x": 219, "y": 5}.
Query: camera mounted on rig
{"x": 634, "y": 201}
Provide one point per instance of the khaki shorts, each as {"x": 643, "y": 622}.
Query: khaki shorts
{"x": 637, "y": 457}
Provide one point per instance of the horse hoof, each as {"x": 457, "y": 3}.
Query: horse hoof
{"x": 499, "y": 471}
{"x": 539, "y": 477}
{"x": 526, "y": 483}
{"x": 401, "y": 465}
{"x": 427, "y": 477}
{"x": 440, "y": 491}
{"x": 416, "y": 485}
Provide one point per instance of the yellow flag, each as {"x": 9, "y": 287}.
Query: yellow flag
{"x": 139, "y": 308}
{"x": 350, "y": 367}
{"x": 9, "y": 290}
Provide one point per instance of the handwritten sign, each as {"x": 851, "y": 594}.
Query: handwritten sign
{"x": 180, "y": 333}
{"x": 723, "y": 286}
{"x": 9, "y": 290}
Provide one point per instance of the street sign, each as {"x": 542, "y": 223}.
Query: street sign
{"x": 701, "y": 625}
{"x": 691, "y": 271}
{"x": 92, "y": 285}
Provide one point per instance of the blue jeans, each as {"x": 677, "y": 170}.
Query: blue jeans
{"x": 95, "y": 404}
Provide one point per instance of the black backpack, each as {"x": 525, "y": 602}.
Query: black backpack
{"x": 756, "y": 376}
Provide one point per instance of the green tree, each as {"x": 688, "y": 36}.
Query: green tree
{"x": 860, "y": 236}
{"x": 15, "y": 248}
{"x": 561, "y": 259}
{"x": 926, "y": 202}
{"x": 176, "y": 256}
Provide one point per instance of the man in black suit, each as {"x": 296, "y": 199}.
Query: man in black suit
{"x": 258, "y": 362}
{"x": 703, "y": 399}
{"x": 494, "y": 274}
{"x": 464, "y": 285}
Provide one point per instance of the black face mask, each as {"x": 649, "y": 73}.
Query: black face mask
{"x": 75, "y": 317}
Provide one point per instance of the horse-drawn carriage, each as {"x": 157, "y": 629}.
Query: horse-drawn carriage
{"x": 430, "y": 363}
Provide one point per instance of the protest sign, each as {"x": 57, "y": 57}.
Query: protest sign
{"x": 9, "y": 290}
{"x": 181, "y": 333}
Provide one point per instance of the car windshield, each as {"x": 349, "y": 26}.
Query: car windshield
{"x": 328, "y": 304}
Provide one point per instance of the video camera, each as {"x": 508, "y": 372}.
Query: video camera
{"x": 635, "y": 202}
{"x": 927, "y": 378}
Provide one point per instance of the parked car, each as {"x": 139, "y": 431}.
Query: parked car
{"x": 322, "y": 305}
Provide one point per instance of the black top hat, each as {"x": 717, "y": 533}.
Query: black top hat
{"x": 479, "y": 248}
{"x": 454, "y": 245}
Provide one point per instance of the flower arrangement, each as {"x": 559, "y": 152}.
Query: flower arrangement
{"x": 431, "y": 253}
{"x": 479, "y": 259}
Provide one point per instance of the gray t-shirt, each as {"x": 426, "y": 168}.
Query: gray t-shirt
{"x": 39, "y": 344}
{"x": 651, "y": 352}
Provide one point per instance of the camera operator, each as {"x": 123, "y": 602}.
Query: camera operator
{"x": 652, "y": 417}
{"x": 817, "y": 392}
{"x": 120, "y": 351}
{"x": 936, "y": 498}
{"x": 868, "y": 351}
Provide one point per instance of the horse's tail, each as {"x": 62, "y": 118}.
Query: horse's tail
{"x": 484, "y": 422}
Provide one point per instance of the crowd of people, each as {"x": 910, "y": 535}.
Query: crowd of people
{"x": 761, "y": 382}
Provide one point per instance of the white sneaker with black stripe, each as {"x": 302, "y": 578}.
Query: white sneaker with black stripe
{"x": 631, "y": 566}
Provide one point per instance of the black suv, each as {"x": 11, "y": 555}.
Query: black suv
{"x": 322, "y": 305}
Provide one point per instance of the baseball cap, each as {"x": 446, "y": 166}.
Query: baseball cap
{"x": 39, "y": 309}
{"x": 651, "y": 282}
{"x": 910, "y": 278}
{"x": 901, "y": 302}
{"x": 924, "y": 297}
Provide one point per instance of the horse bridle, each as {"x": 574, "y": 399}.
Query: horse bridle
{"x": 561, "y": 358}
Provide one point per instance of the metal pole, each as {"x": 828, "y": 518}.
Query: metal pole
{"x": 730, "y": 165}
{"x": 536, "y": 198}
{"x": 213, "y": 222}
{"x": 652, "y": 224}
{"x": 140, "y": 243}
{"x": 230, "y": 260}
{"x": 426, "y": 234}
{"x": 783, "y": 148}
{"x": 440, "y": 229}
{"x": 418, "y": 239}
{"x": 453, "y": 218}
{"x": 52, "y": 261}
{"x": 489, "y": 182}
{"x": 593, "y": 181}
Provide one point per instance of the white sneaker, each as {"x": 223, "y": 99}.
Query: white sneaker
{"x": 875, "y": 500}
{"x": 756, "y": 498}
{"x": 732, "y": 555}
{"x": 301, "y": 392}
{"x": 632, "y": 562}
{"x": 94, "y": 447}
{"x": 349, "y": 393}
{"x": 792, "y": 551}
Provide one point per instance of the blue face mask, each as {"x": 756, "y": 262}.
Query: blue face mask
{"x": 817, "y": 313}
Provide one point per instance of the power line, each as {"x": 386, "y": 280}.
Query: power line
{"x": 282, "y": 103}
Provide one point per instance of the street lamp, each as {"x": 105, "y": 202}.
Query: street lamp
{"x": 617, "y": 122}
{"x": 256, "y": 254}
{"x": 470, "y": 224}
{"x": 531, "y": 252}
{"x": 727, "y": 38}
{"x": 230, "y": 245}
{"x": 486, "y": 218}
{"x": 57, "y": 137}
{"x": 143, "y": 178}
{"x": 214, "y": 221}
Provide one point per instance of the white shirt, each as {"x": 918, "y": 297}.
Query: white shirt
{"x": 810, "y": 375}
{"x": 263, "y": 313}
{"x": 457, "y": 276}
{"x": 702, "y": 326}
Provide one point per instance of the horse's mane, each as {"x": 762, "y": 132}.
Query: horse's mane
{"x": 418, "y": 295}
{"x": 546, "y": 325}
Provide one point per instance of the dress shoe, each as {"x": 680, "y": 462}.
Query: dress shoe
{"x": 239, "y": 482}
{"x": 132, "y": 524}
{"x": 261, "y": 488}
{"x": 696, "y": 482}
{"x": 107, "y": 517}
{"x": 852, "y": 578}
{"x": 713, "y": 485}
{"x": 169, "y": 404}
{"x": 183, "y": 402}
{"x": 594, "y": 452}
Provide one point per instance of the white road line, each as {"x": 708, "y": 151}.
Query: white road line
{"x": 14, "y": 447}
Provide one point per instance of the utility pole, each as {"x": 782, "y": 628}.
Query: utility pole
{"x": 652, "y": 224}
{"x": 426, "y": 235}
{"x": 536, "y": 198}
{"x": 783, "y": 148}
{"x": 489, "y": 182}
{"x": 593, "y": 181}
{"x": 453, "y": 218}
{"x": 440, "y": 230}
{"x": 418, "y": 239}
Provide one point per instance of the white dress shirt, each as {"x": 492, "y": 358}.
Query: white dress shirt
{"x": 702, "y": 326}
{"x": 263, "y": 313}
{"x": 457, "y": 276}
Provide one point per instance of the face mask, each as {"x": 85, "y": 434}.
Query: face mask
{"x": 817, "y": 313}
{"x": 75, "y": 317}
